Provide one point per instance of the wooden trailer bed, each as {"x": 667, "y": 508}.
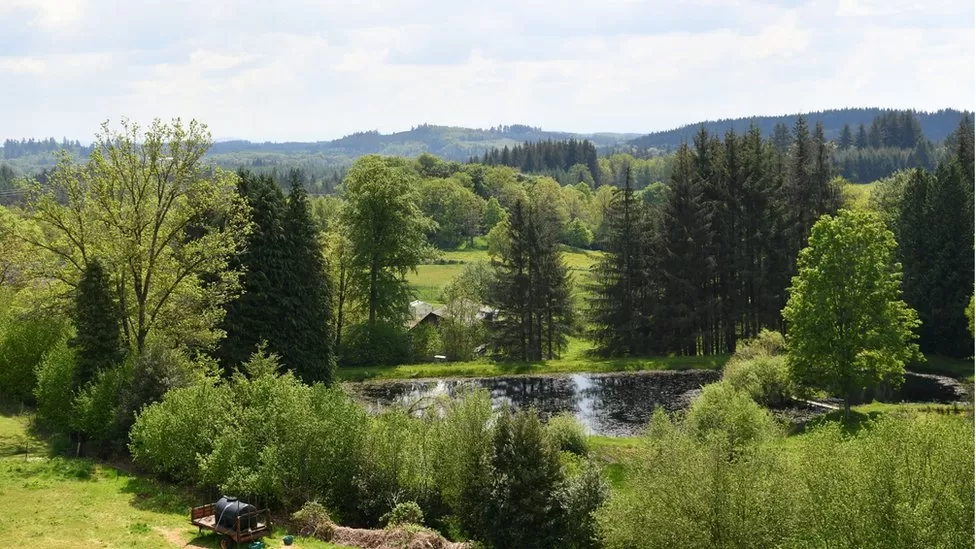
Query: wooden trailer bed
{"x": 203, "y": 517}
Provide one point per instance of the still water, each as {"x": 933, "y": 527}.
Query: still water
{"x": 617, "y": 404}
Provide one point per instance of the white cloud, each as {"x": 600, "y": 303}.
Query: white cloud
{"x": 298, "y": 69}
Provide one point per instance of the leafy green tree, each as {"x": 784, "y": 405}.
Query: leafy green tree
{"x": 97, "y": 324}
{"x": 163, "y": 223}
{"x": 386, "y": 231}
{"x": 848, "y": 327}
{"x": 456, "y": 209}
{"x": 577, "y": 234}
{"x": 493, "y": 215}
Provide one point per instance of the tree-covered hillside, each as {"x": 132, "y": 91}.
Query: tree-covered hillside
{"x": 936, "y": 126}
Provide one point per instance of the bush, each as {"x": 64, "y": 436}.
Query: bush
{"x": 567, "y": 434}
{"x": 765, "y": 378}
{"x": 903, "y": 481}
{"x": 766, "y": 343}
{"x": 759, "y": 368}
{"x": 54, "y": 391}
{"x": 383, "y": 344}
{"x": 313, "y": 520}
{"x": 730, "y": 417}
{"x": 271, "y": 437}
{"x": 425, "y": 342}
{"x": 580, "y": 497}
{"x": 577, "y": 234}
{"x": 404, "y": 513}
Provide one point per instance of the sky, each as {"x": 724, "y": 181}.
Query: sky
{"x": 309, "y": 70}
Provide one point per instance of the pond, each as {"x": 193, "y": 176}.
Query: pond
{"x": 607, "y": 404}
{"x": 617, "y": 404}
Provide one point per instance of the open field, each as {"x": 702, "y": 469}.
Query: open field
{"x": 67, "y": 503}
{"x": 577, "y": 358}
{"x": 430, "y": 280}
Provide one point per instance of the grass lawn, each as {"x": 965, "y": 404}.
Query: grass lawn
{"x": 576, "y": 359}
{"x": 61, "y": 502}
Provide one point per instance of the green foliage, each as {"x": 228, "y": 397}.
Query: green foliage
{"x": 848, "y": 327}
{"x": 97, "y": 324}
{"x": 313, "y": 520}
{"x": 493, "y": 215}
{"x": 271, "y": 437}
{"x": 759, "y": 368}
{"x": 581, "y": 497}
{"x": 383, "y": 343}
{"x": 523, "y": 510}
{"x": 456, "y": 209}
{"x": 729, "y": 418}
{"x": 425, "y": 342}
{"x": 903, "y": 481}
{"x": 567, "y": 434}
{"x": 163, "y": 224}
{"x": 404, "y": 513}
{"x": 307, "y": 343}
{"x": 532, "y": 287}
{"x": 969, "y": 314}
{"x": 55, "y": 389}
{"x": 24, "y": 340}
{"x": 577, "y": 234}
{"x": 386, "y": 230}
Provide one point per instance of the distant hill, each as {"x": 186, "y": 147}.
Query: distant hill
{"x": 452, "y": 143}
{"x": 935, "y": 125}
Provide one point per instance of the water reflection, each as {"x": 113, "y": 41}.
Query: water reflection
{"x": 613, "y": 404}
{"x": 606, "y": 404}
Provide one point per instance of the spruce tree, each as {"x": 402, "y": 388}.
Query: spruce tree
{"x": 621, "y": 306}
{"x": 846, "y": 138}
{"x": 861, "y": 141}
{"x": 257, "y": 314}
{"x": 97, "y": 321}
{"x": 685, "y": 270}
{"x": 511, "y": 292}
{"x": 307, "y": 342}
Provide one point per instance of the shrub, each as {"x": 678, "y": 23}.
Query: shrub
{"x": 383, "y": 344}
{"x": 903, "y": 481}
{"x": 567, "y": 434}
{"x": 404, "y": 513}
{"x": 425, "y": 342}
{"x": 313, "y": 520}
{"x": 523, "y": 509}
{"x": 765, "y": 378}
{"x": 580, "y": 497}
{"x": 730, "y": 417}
{"x": 766, "y": 343}
{"x": 54, "y": 391}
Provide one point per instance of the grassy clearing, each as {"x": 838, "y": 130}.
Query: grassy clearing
{"x": 576, "y": 359}
{"x": 858, "y": 194}
{"x": 61, "y": 502}
{"x": 429, "y": 280}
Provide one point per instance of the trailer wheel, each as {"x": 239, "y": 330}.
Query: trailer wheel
{"x": 226, "y": 542}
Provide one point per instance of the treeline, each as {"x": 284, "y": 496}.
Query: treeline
{"x": 13, "y": 148}
{"x": 935, "y": 125}
{"x": 711, "y": 265}
{"x": 894, "y": 129}
{"x": 546, "y": 156}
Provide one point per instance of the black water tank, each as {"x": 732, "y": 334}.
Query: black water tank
{"x": 227, "y": 509}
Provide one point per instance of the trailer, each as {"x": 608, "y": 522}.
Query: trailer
{"x": 243, "y": 528}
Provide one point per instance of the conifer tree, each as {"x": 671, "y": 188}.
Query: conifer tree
{"x": 622, "y": 305}
{"x": 846, "y": 138}
{"x": 861, "y": 141}
{"x": 257, "y": 314}
{"x": 307, "y": 342}
{"x": 685, "y": 270}
{"x": 98, "y": 325}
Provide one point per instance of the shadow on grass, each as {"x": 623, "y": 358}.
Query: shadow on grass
{"x": 852, "y": 426}
{"x": 152, "y": 495}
